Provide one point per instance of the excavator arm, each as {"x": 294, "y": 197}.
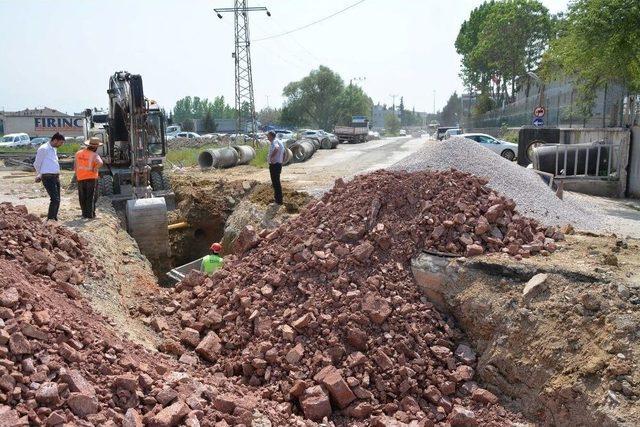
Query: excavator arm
{"x": 130, "y": 134}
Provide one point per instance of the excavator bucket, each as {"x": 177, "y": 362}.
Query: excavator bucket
{"x": 147, "y": 223}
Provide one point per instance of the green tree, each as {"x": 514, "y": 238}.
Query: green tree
{"x": 391, "y": 123}
{"x": 598, "y": 42}
{"x": 403, "y": 119}
{"x": 312, "y": 100}
{"x": 452, "y": 111}
{"x": 208, "y": 123}
{"x": 269, "y": 116}
{"x": 501, "y": 41}
{"x": 351, "y": 102}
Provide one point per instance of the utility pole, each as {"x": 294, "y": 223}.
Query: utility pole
{"x": 393, "y": 97}
{"x": 242, "y": 58}
{"x": 434, "y": 102}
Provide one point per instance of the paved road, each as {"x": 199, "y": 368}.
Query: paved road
{"x": 318, "y": 173}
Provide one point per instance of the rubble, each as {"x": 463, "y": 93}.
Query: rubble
{"x": 63, "y": 364}
{"x": 343, "y": 329}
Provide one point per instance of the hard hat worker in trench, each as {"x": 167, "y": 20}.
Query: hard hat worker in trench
{"x": 213, "y": 261}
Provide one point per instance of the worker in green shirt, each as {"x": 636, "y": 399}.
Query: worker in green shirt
{"x": 214, "y": 261}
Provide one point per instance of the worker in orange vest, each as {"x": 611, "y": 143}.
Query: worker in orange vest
{"x": 87, "y": 165}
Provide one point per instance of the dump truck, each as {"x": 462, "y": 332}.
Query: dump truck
{"x": 356, "y": 133}
{"x": 133, "y": 134}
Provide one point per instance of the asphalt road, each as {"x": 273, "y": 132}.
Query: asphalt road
{"x": 318, "y": 173}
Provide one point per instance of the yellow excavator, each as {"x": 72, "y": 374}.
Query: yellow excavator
{"x": 133, "y": 153}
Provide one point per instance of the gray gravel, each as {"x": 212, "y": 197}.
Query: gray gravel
{"x": 532, "y": 196}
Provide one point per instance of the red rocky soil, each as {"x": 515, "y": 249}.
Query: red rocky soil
{"x": 60, "y": 363}
{"x": 324, "y": 314}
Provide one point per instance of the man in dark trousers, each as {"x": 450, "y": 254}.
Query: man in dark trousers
{"x": 275, "y": 158}
{"x": 87, "y": 165}
{"x": 48, "y": 172}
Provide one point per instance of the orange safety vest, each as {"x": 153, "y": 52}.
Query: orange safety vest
{"x": 87, "y": 165}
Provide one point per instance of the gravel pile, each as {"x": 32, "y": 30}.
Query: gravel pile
{"x": 323, "y": 313}
{"x": 532, "y": 196}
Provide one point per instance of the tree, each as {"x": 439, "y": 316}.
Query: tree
{"x": 502, "y": 41}
{"x": 196, "y": 108}
{"x": 391, "y": 123}
{"x": 452, "y": 111}
{"x": 401, "y": 109}
{"x": 269, "y": 116}
{"x": 598, "y": 42}
{"x": 208, "y": 123}
{"x": 322, "y": 100}
{"x": 352, "y": 102}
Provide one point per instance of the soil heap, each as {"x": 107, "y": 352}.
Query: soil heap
{"x": 324, "y": 313}
{"x": 60, "y": 363}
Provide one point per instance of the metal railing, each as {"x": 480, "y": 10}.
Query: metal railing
{"x": 576, "y": 161}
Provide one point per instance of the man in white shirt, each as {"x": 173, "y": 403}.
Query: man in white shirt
{"x": 275, "y": 158}
{"x": 48, "y": 171}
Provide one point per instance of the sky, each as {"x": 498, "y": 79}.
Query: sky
{"x": 61, "y": 53}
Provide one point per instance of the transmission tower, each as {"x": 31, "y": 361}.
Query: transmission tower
{"x": 245, "y": 104}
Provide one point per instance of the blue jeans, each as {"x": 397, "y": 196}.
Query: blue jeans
{"x": 51, "y": 183}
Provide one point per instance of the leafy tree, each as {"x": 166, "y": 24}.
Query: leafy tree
{"x": 208, "y": 123}
{"x": 501, "y": 41}
{"x": 452, "y": 111}
{"x": 269, "y": 116}
{"x": 483, "y": 104}
{"x": 401, "y": 110}
{"x": 598, "y": 42}
{"x": 391, "y": 123}
{"x": 196, "y": 108}
{"x": 352, "y": 102}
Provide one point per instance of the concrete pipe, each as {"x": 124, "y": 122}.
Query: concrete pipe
{"x": 246, "y": 153}
{"x": 288, "y": 156}
{"x": 218, "y": 158}
{"x": 302, "y": 150}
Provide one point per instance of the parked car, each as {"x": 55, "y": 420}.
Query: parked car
{"x": 506, "y": 149}
{"x": 38, "y": 141}
{"x": 15, "y": 140}
{"x": 452, "y": 132}
{"x": 184, "y": 135}
{"x": 403, "y": 132}
{"x": 442, "y": 130}
{"x": 318, "y": 136}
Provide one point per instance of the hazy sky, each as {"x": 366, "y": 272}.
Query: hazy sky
{"x": 60, "y": 53}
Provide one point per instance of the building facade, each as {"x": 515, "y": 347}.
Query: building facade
{"x": 42, "y": 122}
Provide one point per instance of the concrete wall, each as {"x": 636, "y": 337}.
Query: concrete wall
{"x": 633, "y": 170}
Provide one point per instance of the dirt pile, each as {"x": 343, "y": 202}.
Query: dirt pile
{"x": 293, "y": 200}
{"x": 45, "y": 249}
{"x": 62, "y": 364}
{"x": 324, "y": 312}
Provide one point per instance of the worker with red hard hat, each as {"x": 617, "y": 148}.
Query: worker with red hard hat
{"x": 213, "y": 261}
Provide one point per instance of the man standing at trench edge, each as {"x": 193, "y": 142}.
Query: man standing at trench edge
{"x": 275, "y": 158}
{"x": 48, "y": 172}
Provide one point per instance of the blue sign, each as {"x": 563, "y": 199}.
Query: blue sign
{"x": 538, "y": 121}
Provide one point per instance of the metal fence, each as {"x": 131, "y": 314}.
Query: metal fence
{"x": 612, "y": 108}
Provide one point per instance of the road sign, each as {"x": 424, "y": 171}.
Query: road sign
{"x": 538, "y": 121}
{"x": 539, "y": 112}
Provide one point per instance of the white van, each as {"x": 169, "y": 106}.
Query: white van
{"x": 15, "y": 140}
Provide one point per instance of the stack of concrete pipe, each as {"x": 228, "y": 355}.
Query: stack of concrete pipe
{"x": 302, "y": 150}
{"x": 227, "y": 157}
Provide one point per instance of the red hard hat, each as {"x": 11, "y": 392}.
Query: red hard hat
{"x": 216, "y": 247}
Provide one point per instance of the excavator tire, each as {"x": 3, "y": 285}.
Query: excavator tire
{"x": 166, "y": 181}
{"x": 147, "y": 223}
{"x": 157, "y": 183}
{"x": 105, "y": 185}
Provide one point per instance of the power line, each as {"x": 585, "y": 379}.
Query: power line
{"x": 311, "y": 23}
